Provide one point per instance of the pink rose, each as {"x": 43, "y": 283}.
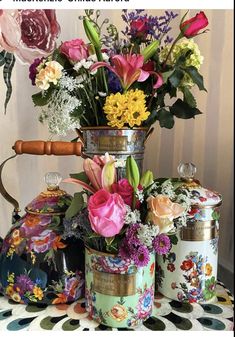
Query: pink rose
{"x": 106, "y": 213}
{"x": 29, "y": 34}
{"x": 76, "y": 50}
{"x": 192, "y": 26}
{"x": 125, "y": 190}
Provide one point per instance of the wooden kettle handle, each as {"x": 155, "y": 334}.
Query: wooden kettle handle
{"x": 40, "y": 147}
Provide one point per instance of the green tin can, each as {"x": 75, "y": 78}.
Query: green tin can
{"x": 118, "y": 294}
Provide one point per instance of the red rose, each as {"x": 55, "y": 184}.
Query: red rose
{"x": 125, "y": 190}
{"x": 171, "y": 267}
{"x": 139, "y": 28}
{"x": 191, "y": 27}
{"x": 186, "y": 265}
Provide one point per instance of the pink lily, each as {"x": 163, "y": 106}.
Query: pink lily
{"x": 93, "y": 172}
{"x": 81, "y": 183}
{"x": 128, "y": 68}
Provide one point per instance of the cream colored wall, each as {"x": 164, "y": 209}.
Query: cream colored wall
{"x": 207, "y": 141}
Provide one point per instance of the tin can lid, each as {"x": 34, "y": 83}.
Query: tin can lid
{"x": 201, "y": 197}
{"x": 53, "y": 200}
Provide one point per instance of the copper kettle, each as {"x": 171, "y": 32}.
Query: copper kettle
{"x": 38, "y": 265}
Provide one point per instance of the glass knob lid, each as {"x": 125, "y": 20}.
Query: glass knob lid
{"x": 53, "y": 179}
{"x": 187, "y": 171}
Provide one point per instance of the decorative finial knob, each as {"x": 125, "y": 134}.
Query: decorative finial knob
{"x": 53, "y": 179}
{"x": 187, "y": 171}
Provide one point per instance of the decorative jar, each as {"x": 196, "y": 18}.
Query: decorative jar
{"x": 118, "y": 294}
{"x": 188, "y": 273}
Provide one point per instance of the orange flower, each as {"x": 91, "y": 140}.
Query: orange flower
{"x": 32, "y": 221}
{"x": 118, "y": 312}
{"x": 60, "y": 299}
{"x": 38, "y": 293}
{"x": 57, "y": 244}
{"x": 208, "y": 269}
{"x": 152, "y": 267}
{"x": 163, "y": 211}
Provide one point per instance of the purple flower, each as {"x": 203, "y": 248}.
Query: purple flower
{"x": 33, "y": 69}
{"x": 23, "y": 284}
{"x": 114, "y": 83}
{"x": 141, "y": 256}
{"x": 161, "y": 244}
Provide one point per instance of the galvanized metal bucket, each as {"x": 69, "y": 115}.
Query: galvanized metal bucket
{"x": 120, "y": 143}
{"x": 118, "y": 294}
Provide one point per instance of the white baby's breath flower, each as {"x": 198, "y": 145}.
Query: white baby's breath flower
{"x": 102, "y": 94}
{"x": 132, "y": 217}
{"x": 57, "y": 113}
{"x": 140, "y": 195}
{"x": 146, "y": 234}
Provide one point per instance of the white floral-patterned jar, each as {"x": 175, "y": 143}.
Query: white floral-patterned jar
{"x": 118, "y": 294}
{"x": 188, "y": 273}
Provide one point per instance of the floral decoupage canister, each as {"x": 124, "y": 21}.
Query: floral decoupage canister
{"x": 188, "y": 272}
{"x": 118, "y": 293}
{"x": 38, "y": 262}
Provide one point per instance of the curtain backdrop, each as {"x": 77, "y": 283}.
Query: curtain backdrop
{"x": 206, "y": 141}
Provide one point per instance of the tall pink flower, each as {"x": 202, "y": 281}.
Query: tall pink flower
{"x": 29, "y": 34}
{"x": 128, "y": 68}
{"x": 76, "y": 50}
{"x": 106, "y": 213}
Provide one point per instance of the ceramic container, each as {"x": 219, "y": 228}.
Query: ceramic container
{"x": 189, "y": 271}
{"x": 36, "y": 264}
{"x": 117, "y": 293}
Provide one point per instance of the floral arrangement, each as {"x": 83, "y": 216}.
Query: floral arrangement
{"x": 131, "y": 80}
{"x": 129, "y": 217}
{"x": 25, "y": 35}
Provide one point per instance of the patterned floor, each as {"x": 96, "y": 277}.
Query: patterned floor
{"x": 167, "y": 315}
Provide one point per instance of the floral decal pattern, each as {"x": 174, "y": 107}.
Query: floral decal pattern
{"x": 199, "y": 283}
{"x": 32, "y": 252}
{"x": 24, "y": 289}
{"x": 127, "y": 311}
{"x": 110, "y": 264}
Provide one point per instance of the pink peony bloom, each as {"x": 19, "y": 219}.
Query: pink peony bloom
{"x": 125, "y": 190}
{"x": 106, "y": 213}
{"x": 29, "y": 34}
{"x": 76, "y": 50}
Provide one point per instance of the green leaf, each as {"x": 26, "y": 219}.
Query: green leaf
{"x": 166, "y": 75}
{"x": 166, "y": 119}
{"x": 42, "y": 98}
{"x": 183, "y": 110}
{"x": 173, "y": 239}
{"x": 7, "y": 71}
{"x": 80, "y": 176}
{"x": 76, "y": 205}
{"x": 195, "y": 76}
{"x": 188, "y": 97}
{"x": 183, "y": 58}
{"x": 176, "y": 78}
